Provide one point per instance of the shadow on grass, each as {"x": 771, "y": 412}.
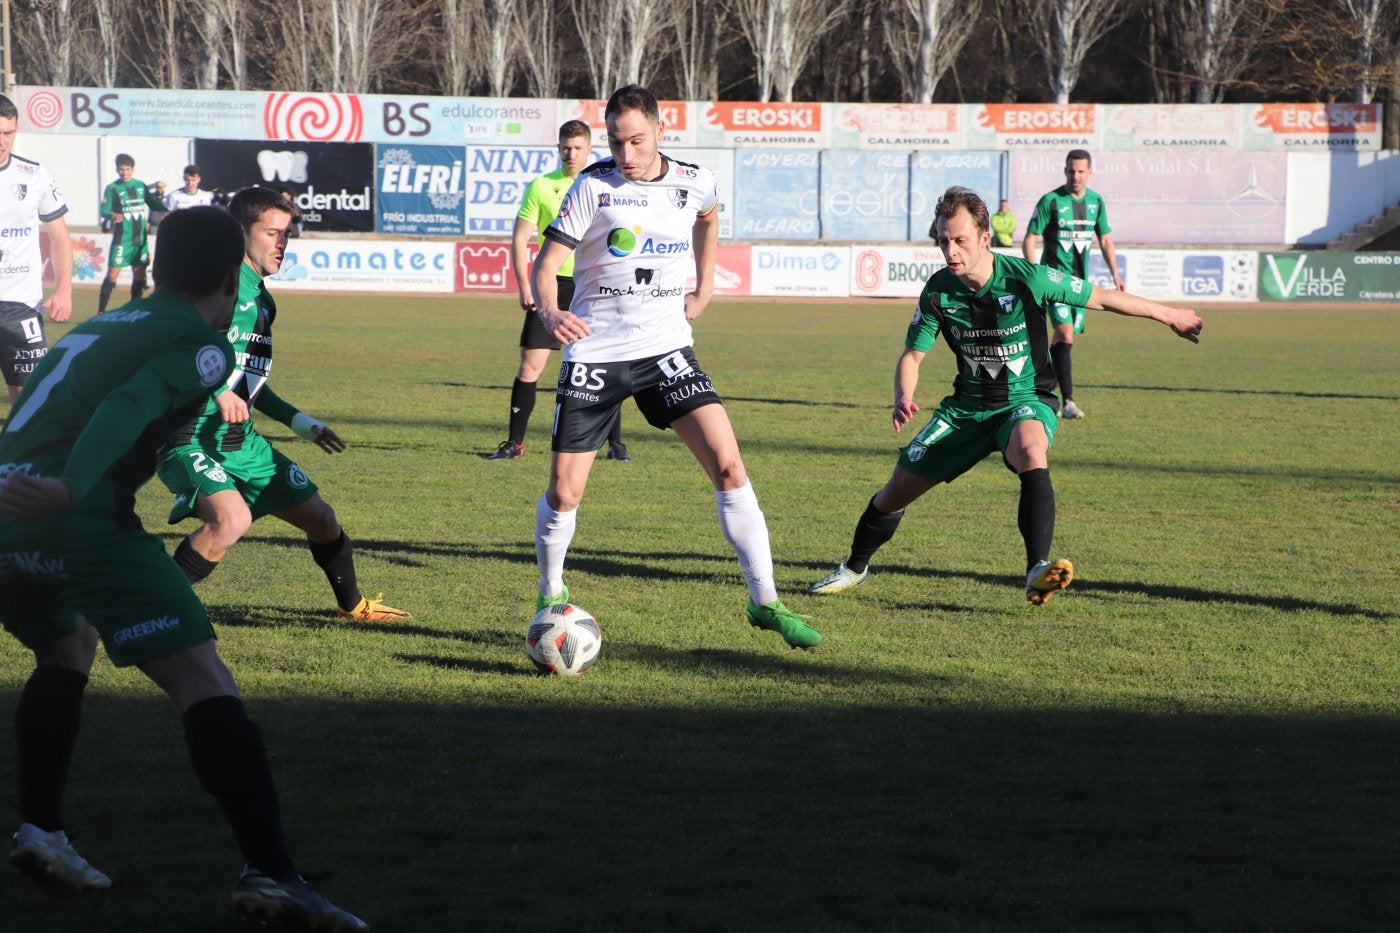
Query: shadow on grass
{"x": 471, "y": 815}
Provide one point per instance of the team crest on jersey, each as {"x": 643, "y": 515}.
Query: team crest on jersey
{"x": 209, "y": 363}
{"x": 679, "y": 196}
{"x": 296, "y": 478}
{"x": 1006, "y": 302}
{"x": 19, "y": 191}
{"x": 604, "y": 198}
{"x": 566, "y": 205}
{"x": 915, "y": 451}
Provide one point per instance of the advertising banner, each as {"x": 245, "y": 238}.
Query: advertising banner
{"x": 1198, "y": 127}
{"x": 365, "y": 266}
{"x": 483, "y": 267}
{"x": 496, "y": 180}
{"x": 677, "y": 128}
{"x": 1324, "y": 276}
{"x": 1190, "y": 275}
{"x": 864, "y": 195}
{"x": 893, "y": 271}
{"x": 897, "y": 126}
{"x": 732, "y": 271}
{"x": 422, "y": 189}
{"x": 775, "y": 195}
{"x": 932, "y": 173}
{"x": 332, "y": 183}
{"x": 1313, "y": 127}
{"x": 1160, "y": 197}
{"x": 737, "y": 124}
{"x": 816, "y": 271}
{"x": 1033, "y": 126}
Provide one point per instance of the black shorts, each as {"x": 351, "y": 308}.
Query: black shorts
{"x": 666, "y": 387}
{"x": 533, "y": 335}
{"x": 22, "y": 340}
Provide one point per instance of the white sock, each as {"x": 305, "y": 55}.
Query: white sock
{"x": 743, "y": 524}
{"x": 553, "y": 532}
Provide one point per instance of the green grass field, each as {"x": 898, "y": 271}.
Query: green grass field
{"x": 1202, "y": 733}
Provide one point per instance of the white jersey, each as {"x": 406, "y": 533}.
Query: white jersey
{"x": 28, "y": 198}
{"x": 179, "y": 199}
{"x": 633, "y": 257}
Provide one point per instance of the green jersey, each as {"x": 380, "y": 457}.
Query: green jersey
{"x": 134, "y": 202}
{"x": 543, "y": 196}
{"x": 1069, "y": 226}
{"x": 998, "y": 332}
{"x": 92, "y": 411}
{"x": 250, "y": 338}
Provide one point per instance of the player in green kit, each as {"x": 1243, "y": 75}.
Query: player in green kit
{"x": 76, "y": 566}
{"x": 537, "y": 211}
{"x": 990, "y": 310}
{"x": 127, "y": 203}
{"x": 226, "y": 473}
{"x": 1070, "y": 218}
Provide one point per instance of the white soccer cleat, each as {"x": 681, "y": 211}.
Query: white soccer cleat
{"x": 1071, "y": 410}
{"x": 51, "y": 858}
{"x": 839, "y": 579}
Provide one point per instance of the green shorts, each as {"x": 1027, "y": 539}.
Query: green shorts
{"x": 123, "y": 254}
{"x": 956, "y": 439}
{"x": 1067, "y": 314}
{"x": 122, "y": 582}
{"x": 268, "y": 481}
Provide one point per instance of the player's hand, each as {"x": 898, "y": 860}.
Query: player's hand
{"x": 231, "y": 407}
{"x": 116, "y": 218}
{"x": 527, "y": 301}
{"x": 695, "y": 305}
{"x": 1186, "y": 323}
{"x": 326, "y": 439}
{"x": 27, "y": 496}
{"x": 60, "y": 306}
{"x": 566, "y": 326}
{"x": 904, "y": 409}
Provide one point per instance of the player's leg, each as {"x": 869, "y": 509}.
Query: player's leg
{"x": 334, "y": 553}
{"x": 1061, "y": 345}
{"x": 138, "y": 280}
{"x": 116, "y": 261}
{"x": 1026, "y": 451}
{"x": 211, "y": 490}
{"x": 226, "y": 519}
{"x": 23, "y": 342}
{"x": 536, "y": 342}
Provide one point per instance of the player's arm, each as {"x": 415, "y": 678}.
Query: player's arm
{"x": 520, "y": 258}
{"x": 155, "y": 196}
{"x": 906, "y": 380}
{"x": 303, "y": 425}
{"x": 1111, "y": 257}
{"x": 1183, "y": 321}
{"x": 705, "y": 242}
{"x": 61, "y": 257}
{"x": 112, "y": 205}
{"x": 566, "y": 326}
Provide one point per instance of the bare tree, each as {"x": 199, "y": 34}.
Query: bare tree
{"x": 44, "y": 32}
{"x": 293, "y": 68}
{"x": 537, "y": 42}
{"x": 1217, "y": 40}
{"x": 104, "y": 13}
{"x": 1066, "y": 30}
{"x": 646, "y": 40}
{"x": 223, "y": 28}
{"x": 599, "y": 24}
{"x": 496, "y": 33}
{"x": 459, "y": 33}
{"x": 699, "y": 29}
{"x": 923, "y": 45}
{"x": 1374, "y": 24}
{"x": 162, "y": 26}
{"x": 782, "y": 34}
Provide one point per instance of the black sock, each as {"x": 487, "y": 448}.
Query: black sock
{"x": 872, "y": 531}
{"x": 196, "y": 568}
{"x": 522, "y": 404}
{"x": 1059, "y": 356}
{"x": 104, "y": 295}
{"x": 337, "y": 559}
{"x": 615, "y": 432}
{"x": 229, "y": 758}
{"x": 138, "y": 281}
{"x": 46, "y": 728}
{"x": 1036, "y": 516}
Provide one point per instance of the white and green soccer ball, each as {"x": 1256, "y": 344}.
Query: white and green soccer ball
{"x": 563, "y": 639}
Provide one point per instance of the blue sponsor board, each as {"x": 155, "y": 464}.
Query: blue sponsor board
{"x": 422, "y": 189}
{"x": 865, "y": 195}
{"x": 931, "y": 173}
{"x": 1203, "y": 274}
{"x": 776, "y": 194}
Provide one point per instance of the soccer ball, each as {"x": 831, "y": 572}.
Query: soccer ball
{"x": 563, "y": 639}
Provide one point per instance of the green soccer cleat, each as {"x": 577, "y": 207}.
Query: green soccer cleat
{"x": 842, "y": 578}
{"x": 775, "y": 617}
{"x": 543, "y": 602}
{"x": 1046, "y": 579}
{"x": 259, "y": 897}
{"x": 49, "y": 857}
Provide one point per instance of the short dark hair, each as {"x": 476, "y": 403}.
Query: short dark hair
{"x": 8, "y": 110}
{"x": 124, "y": 159}
{"x": 573, "y": 128}
{"x": 248, "y": 205}
{"x": 193, "y": 169}
{"x": 197, "y": 261}
{"x": 965, "y": 198}
{"x": 1076, "y": 154}
{"x": 632, "y": 97}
